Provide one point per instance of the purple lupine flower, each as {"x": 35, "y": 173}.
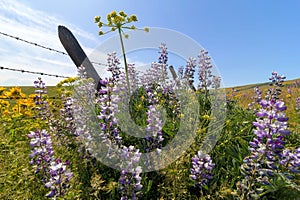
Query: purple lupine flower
{"x": 109, "y": 98}
{"x": 190, "y": 71}
{"x": 296, "y": 84}
{"x": 113, "y": 66}
{"x": 204, "y": 71}
{"x": 233, "y": 93}
{"x": 275, "y": 91}
{"x": 59, "y": 178}
{"x": 42, "y": 153}
{"x": 180, "y": 72}
{"x": 298, "y": 104}
{"x": 291, "y": 160}
{"x": 157, "y": 73}
{"x": 255, "y": 99}
{"x": 40, "y": 87}
{"x": 163, "y": 58}
{"x": 66, "y": 119}
{"x": 216, "y": 82}
{"x": 133, "y": 76}
{"x": 154, "y": 123}
{"x": 83, "y": 110}
{"x": 289, "y": 91}
{"x": 201, "y": 171}
{"x": 130, "y": 180}
{"x": 41, "y": 104}
{"x": 163, "y": 61}
{"x": 55, "y": 175}
{"x": 276, "y": 79}
{"x": 268, "y": 155}
{"x": 271, "y": 128}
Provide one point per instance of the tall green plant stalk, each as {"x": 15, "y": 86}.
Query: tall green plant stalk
{"x": 124, "y": 57}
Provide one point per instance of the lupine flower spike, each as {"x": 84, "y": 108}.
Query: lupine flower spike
{"x": 268, "y": 155}
{"x": 54, "y": 172}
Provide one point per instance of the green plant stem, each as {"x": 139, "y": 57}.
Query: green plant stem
{"x": 124, "y": 57}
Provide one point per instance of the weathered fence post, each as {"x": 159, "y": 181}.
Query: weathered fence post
{"x": 77, "y": 54}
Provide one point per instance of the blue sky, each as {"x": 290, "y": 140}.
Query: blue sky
{"x": 246, "y": 39}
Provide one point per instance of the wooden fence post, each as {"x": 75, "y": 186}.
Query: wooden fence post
{"x": 77, "y": 54}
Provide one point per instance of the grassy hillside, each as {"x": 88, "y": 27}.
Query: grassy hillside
{"x": 290, "y": 92}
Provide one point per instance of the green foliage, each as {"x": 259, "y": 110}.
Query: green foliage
{"x": 93, "y": 180}
{"x": 230, "y": 150}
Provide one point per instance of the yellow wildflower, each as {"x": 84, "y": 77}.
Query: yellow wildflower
{"x": 2, "y": 91}
{"x": 4, "y": 103}
{"x": 181, "y": 115}
{"x": 15, "y": 93}
{"x": 101, "y": 33}
{"x": 15, "y": 108}
{"x": 123, "y": 14}
{"x": 139, "y": 106}
{"x": 117, "y": 21}
{"x": 5, "y": 112}
{"x": 28, "y": 113}
{"x": 97, "y": 19}
{"x": 207, "y": 117}
{"x": 146, "y": 29}
{"x": 113, "y": 14}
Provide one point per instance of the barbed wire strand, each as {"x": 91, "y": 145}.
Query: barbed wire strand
{"x": 44, "y": 47}
{"x": 32, "y": 72}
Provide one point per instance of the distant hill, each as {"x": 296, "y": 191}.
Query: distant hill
{"x": 265, "y": 84}
{"x": 244, "y": 88}
{"x": 290, "y": 92}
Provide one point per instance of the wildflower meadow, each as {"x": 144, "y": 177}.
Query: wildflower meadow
{"x": 155, "y": 135}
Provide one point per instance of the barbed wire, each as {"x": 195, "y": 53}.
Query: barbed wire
{"x": 44, "y": 47}
{"x": 32, "y": 72}
{"x": 100, "y": 64}
{"x": 33, "y": 43}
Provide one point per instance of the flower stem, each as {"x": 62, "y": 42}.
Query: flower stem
{"x": 124, "y": 57}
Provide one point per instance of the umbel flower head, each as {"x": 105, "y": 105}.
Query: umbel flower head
{"x": 117, "y": 21}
